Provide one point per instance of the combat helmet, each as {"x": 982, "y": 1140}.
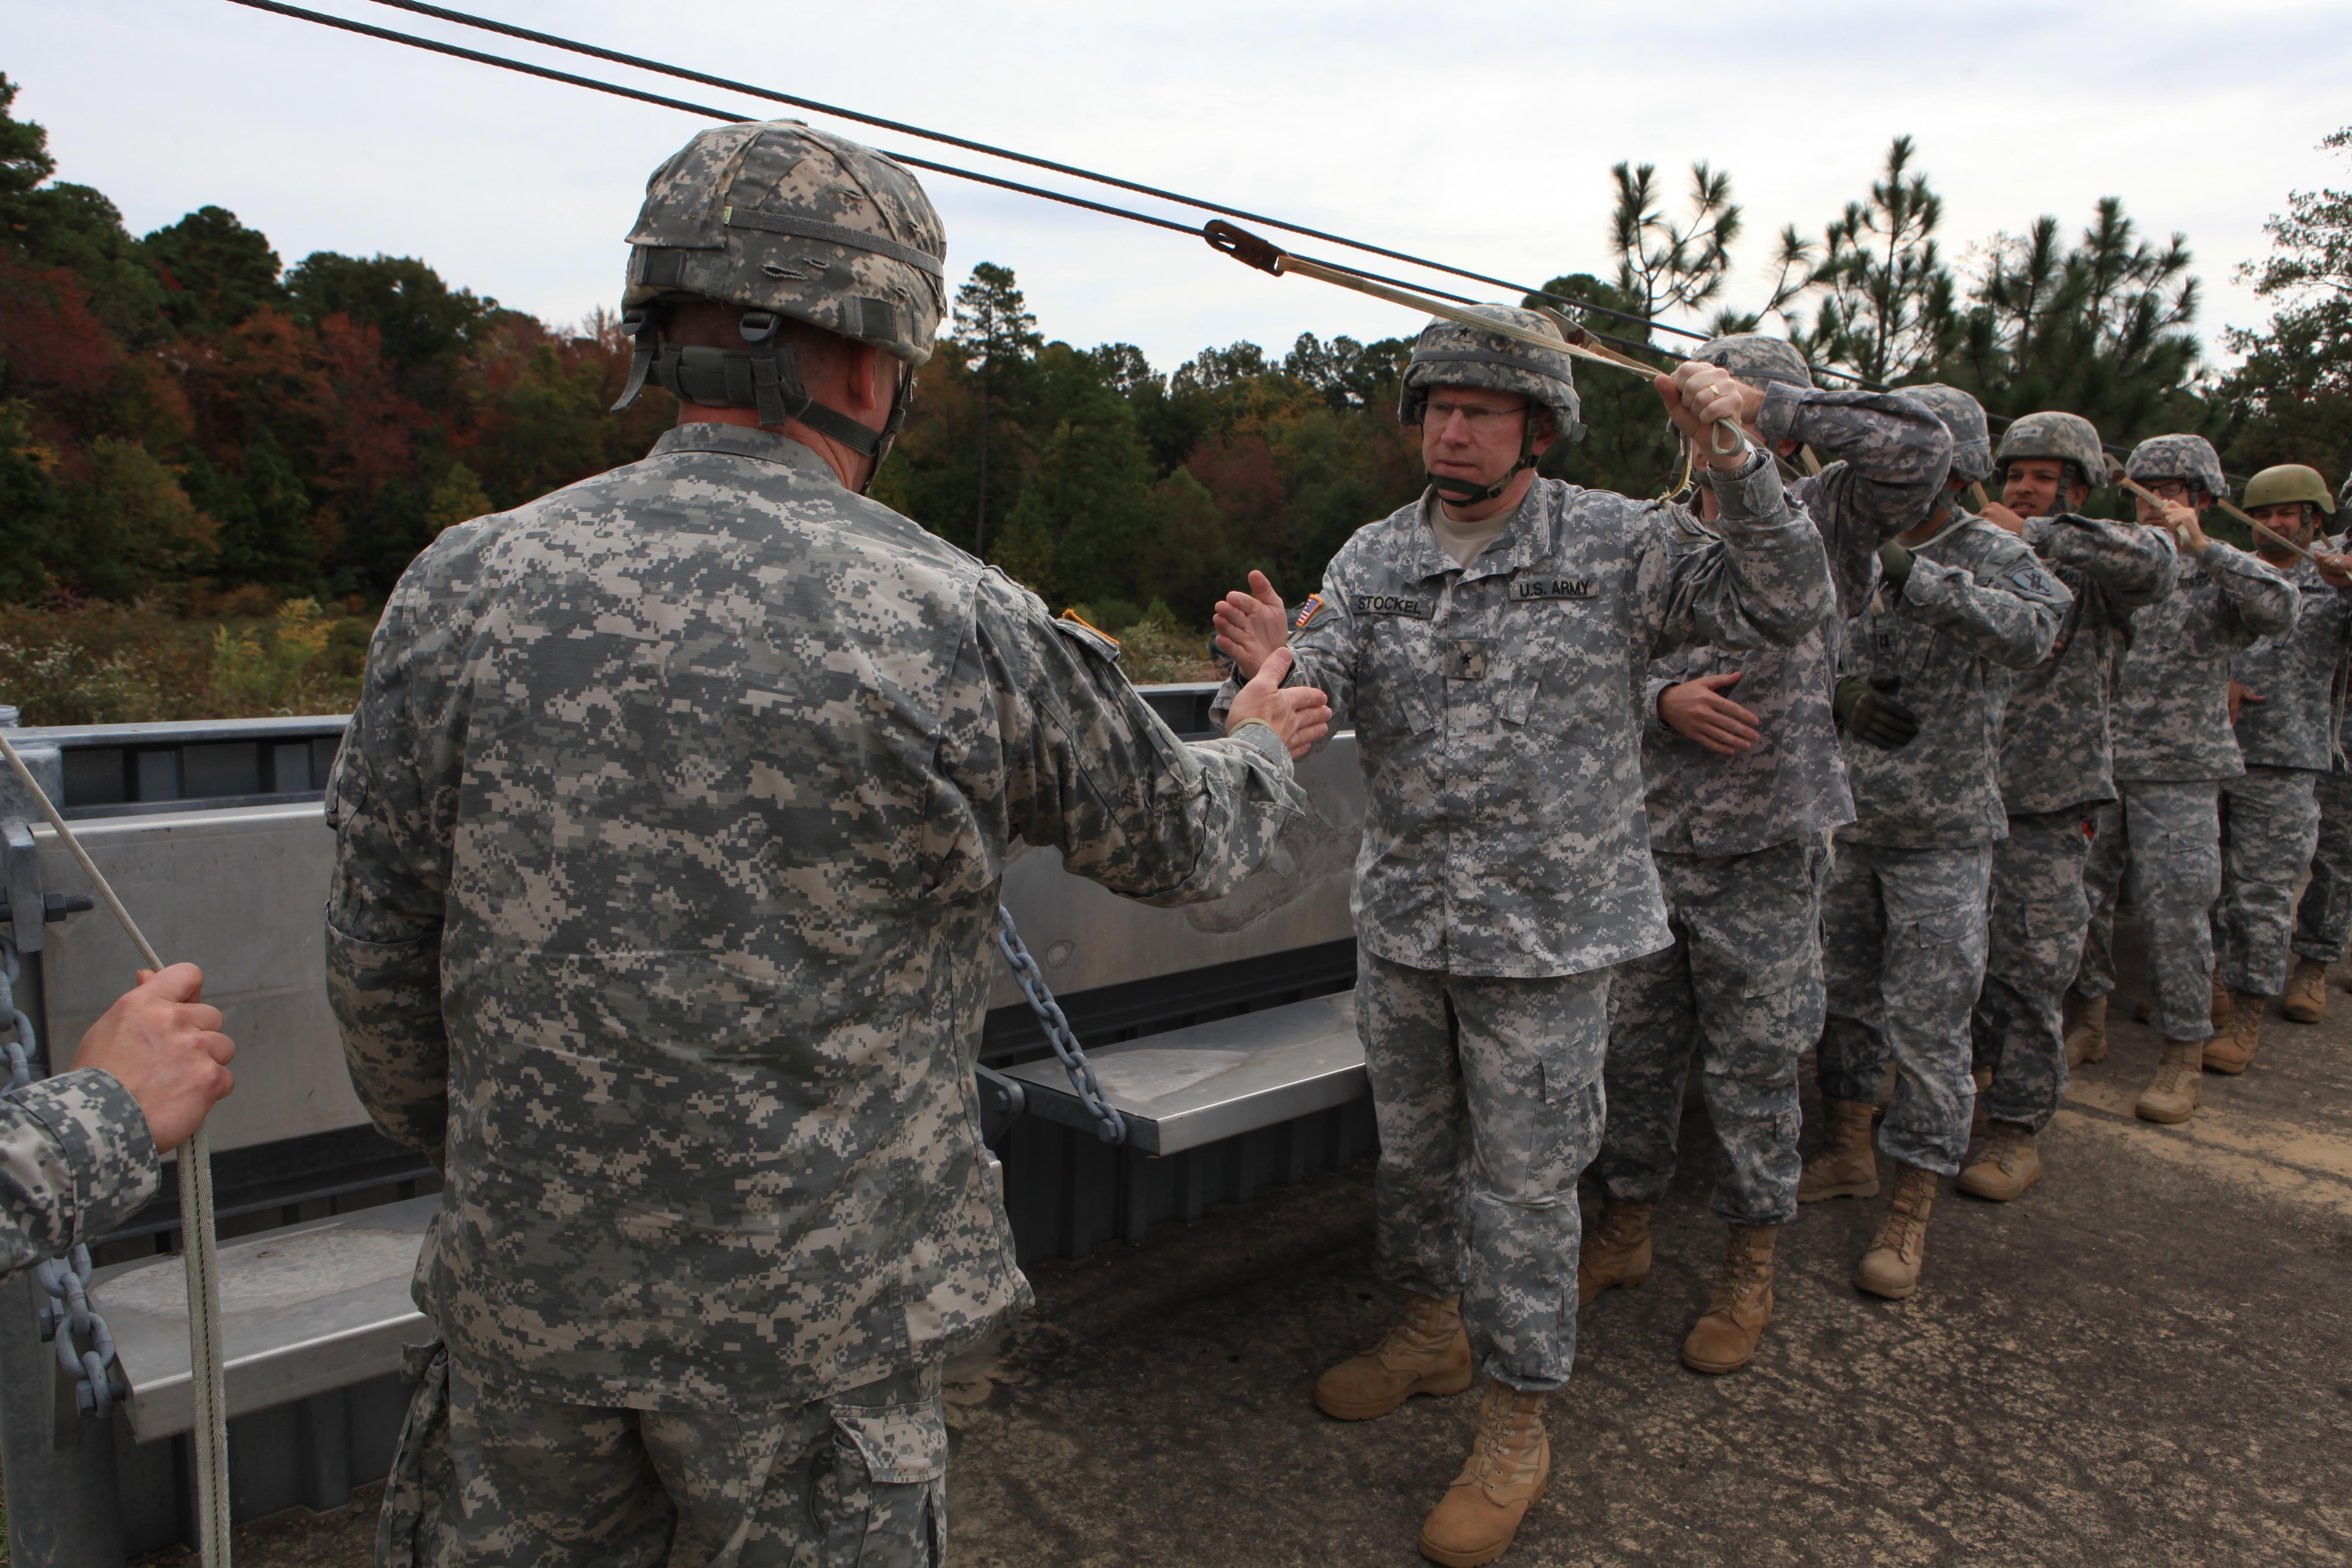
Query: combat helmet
{"x": 783, "y": 220}
{"x": 1964, "y": 417}
{"x": 1450, "y": 353}
{"x": 2069, "y": 438}
{"x": 1755, "y": 358}
{"x": 2289, "y": 482}
{"x": 2189, "y": 459}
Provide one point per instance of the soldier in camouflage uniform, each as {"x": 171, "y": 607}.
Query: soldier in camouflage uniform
{"x": 2057, "y": 765}
{"x": 78, "y": 1152}
{"x": 2323, "y": 920}
{"x": 2173, "y": 747}
{"x": 1490, "y": 641}
{"x": 2286, "y": 691}
{"x": 1745, "y": 783}
{"x": 670, "y": 827}
{"x": 1959, "y": 606}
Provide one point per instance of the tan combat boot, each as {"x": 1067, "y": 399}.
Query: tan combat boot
{"x": 1426, "y": 1354}
{"x": 1509, "y": 1465}
{"x": 2306, "y": 992}
{"x": 1891, "y": 1267}
{"x": 2172, "y": 1098}
{"x": 1724, "y": 1338}
{"x": 1844, "y": 1165}
{"x": 2086, "y": 1031}
{"x": 2009, "y": 1165}
{"x": 2232, "y": 1049}
{"x": 1616, "y": 1251}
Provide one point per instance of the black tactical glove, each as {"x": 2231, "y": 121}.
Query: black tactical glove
{"x": 1867, "y": 711}
{"x": 1894, "y": 565}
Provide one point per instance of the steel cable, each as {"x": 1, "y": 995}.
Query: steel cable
{"x": 639, "y": 62}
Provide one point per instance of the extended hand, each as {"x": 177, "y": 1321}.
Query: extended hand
{"x": 1253, "y": 624}
{"x": 1699, "y": 710}
{"x": 2240, "y": 696}
{"x": 2335, "y": 571}
{"x": 1300, "y": 714}
{"x": 1867, "y": 709}
{"x": 1695, "y": 396}
{"x": 165, "y": 1044}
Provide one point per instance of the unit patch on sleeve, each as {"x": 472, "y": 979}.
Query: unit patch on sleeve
{"x": 2033, "y": 580}
{"x": 1526, "y": 588}
{"x": 1394, "y": 605}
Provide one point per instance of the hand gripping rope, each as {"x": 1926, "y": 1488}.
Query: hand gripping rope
{"x": 205, "y": 1354}
{"x": 2141, "y": 491}
{"x": 1109, "y": 1125}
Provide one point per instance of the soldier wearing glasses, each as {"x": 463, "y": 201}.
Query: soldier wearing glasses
{"x": 1490, "y": 642}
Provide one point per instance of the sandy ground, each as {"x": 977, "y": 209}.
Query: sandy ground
{"x": 2143, "y": 1361}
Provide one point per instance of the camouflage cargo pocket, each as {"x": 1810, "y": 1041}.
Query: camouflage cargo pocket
{"x": 885, "y": 1502}
{"x": 419, "y": 1481}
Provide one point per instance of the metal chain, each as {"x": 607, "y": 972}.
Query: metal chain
{"x": 1108, "y": 1123}
{"x": 85, "y": 1344}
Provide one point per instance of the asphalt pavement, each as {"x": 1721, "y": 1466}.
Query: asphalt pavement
{"x": 2143, "y": 1361}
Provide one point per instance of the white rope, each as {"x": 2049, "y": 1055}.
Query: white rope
{"x": 207, "y": 1378}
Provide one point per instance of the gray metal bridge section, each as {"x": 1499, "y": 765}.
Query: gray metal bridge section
{"x": 1223, "y": 1033}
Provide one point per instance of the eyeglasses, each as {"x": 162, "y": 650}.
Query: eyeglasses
{"x": 2170, "y": 489}
{"x": 1477, "y": 416}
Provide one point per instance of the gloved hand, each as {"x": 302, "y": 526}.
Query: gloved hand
{"x": 1867, "y": 711}
{"x": 1894, "y": 565}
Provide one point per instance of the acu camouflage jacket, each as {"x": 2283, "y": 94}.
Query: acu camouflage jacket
{"x": 671, "y": 823}
{"x": 1977, "y": 606}
{"x": 2057, "y": 744}
{"x": 1497, "y": 710}
{"x": 2295, "y": 673}
{"x": 2172, "y": 699}
{"x": 1891, "y": 456}
{"x": 75, "y": 1161}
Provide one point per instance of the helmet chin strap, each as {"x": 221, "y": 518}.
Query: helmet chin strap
{"x": 1465, "y": 492}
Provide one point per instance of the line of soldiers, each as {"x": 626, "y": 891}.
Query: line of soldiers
{"x": 1900, "y": 836}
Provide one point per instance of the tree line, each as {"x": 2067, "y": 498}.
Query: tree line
{"x": 181, "y": 415}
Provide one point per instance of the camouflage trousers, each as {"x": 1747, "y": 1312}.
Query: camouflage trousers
{"x": 484, "y": 1476}
{"x": 2033, "y": 944}
{"x": 1488, "y": 1096}
{"x": 2169, "y": 837}
{"x": 2322, "y": 920}
{"x": 1903, "y": 954}
{"x": 1742, "y": 986}
{"x": 2270, "y": 824}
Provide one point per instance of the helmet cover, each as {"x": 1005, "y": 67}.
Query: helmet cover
{"x": 1964, "y": 417}
{"x": 2189, "y": 459}
{"x": 1756, "y": 358}
{"x": 778, "y": 215}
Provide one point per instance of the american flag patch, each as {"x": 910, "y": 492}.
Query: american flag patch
{"x": 1307, "y": 611}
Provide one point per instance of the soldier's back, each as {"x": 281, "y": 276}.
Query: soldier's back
{"x": 707, "y": 1141}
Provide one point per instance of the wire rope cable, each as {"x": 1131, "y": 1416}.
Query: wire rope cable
{"x": 639, "y": 62}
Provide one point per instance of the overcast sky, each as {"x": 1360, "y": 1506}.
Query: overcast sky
{"x": 1481, "y": 133}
